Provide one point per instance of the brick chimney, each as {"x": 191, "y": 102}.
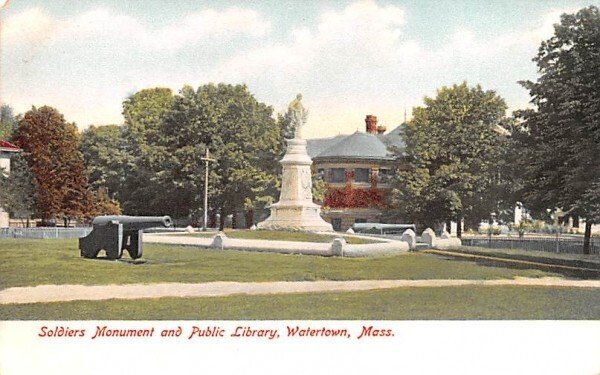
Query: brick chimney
{"x": 371, "y": 123}
{"x": 381, "y": 129}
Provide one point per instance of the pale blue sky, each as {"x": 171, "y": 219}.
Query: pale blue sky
{"x": 348, "y": 58}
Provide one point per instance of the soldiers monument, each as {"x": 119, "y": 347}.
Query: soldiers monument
{"x": 296, "y": 209}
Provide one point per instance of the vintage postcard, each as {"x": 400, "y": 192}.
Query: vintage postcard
{"x": 293, "y": 186}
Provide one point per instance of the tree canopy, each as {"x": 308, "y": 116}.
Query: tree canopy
{"x": 51, "y": 147}
{"x": 242, "y": 137}
{"x": 453, "y": 147}
{"x": 560, "y": 138}
{"x": 17, "y": 190}
{"x": 107, "y": 159}
{"x": 8, "y": 122}
{"x": 153, "y": 165}
{"x": 142, "y": 151}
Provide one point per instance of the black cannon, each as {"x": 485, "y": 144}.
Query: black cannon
{"x": 113, "y": 234}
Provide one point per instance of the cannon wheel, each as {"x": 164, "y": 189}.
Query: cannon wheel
{"x": 134, "y": 254}
{"x": 113, "y": 254}
{"x": 134, "y": 245}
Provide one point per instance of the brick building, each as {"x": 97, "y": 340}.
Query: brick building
{"x": 357, "y": 169}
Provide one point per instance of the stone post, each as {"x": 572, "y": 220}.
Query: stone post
{"x": 337, "y": 247}
{"x": 219, "y": 242}
{"x": 428, "y": 236}
{"x": 410, "y": 237}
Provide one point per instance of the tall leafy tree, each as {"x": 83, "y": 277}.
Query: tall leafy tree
{"x": 561, "y": 138}
{"x": 107, "y": 160}
{"x": 242, "y": 137}
{"x": 8, "y": 122}
{"x": 453, "y": 145}
{"x": 143, "y": 152}
{"x": 153, "y": 164}
{"x": 51, "y": 147}
{"x": 143, "y": 112}
{"x": 103, "y": 205}
{"x": 17, "y": 190}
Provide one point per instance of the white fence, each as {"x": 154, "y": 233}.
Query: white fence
{"x": 60, "y": 232}
{"x": 548, "y": 244}
{"x": 45, "y": 232}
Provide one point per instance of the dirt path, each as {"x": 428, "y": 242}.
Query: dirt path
{"x": 63, "y": 293}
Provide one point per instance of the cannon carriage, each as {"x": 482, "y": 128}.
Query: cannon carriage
{"x": 113, "y": 234}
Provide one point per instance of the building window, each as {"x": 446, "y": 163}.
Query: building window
{"x": 338, "y": 175}
{"x": 361, "y": 175}
{"x": 360, "y": 220}
{"x": 385, "y": 175}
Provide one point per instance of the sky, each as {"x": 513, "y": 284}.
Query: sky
{"x": 347, "y": 58}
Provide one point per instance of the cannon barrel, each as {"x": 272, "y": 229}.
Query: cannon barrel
{"x": 113, "y": 234}
{"x": 134, "y": 222}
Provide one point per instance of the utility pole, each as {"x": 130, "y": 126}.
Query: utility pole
{"x": 207, "y": 160}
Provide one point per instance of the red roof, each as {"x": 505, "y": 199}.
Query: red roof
{"x": 7, "y": 146}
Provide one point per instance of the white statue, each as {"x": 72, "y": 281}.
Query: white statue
{"x": 295, "y": 209}
{"x": 299, "y": 115}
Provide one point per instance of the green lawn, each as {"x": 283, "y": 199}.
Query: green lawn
{"x": 467, "y": 302}
{"x": 578, "y": 260}
{"x": 34, "y": 262}
{"x": 198, "y": 234}
{"x": 280, "y": 235}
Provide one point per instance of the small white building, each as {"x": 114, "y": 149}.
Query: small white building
{"x": 7, "y": 149}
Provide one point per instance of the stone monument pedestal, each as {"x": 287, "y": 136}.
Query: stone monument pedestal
{"x": 295, "y": 209}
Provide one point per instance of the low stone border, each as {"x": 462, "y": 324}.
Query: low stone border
{"x": 338, "y": 247}
{"x": 445, "y": 241}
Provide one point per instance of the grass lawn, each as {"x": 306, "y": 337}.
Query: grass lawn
{"x": 198, "y": 234}
{"x": 579, "y": 260}
{"x": 467, "y": 302}
{"x": 569, "y": 265}
{"x": 280, "y": 235}
{"x": 35, "y": 262}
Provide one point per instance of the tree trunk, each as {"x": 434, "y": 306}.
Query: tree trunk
{"x": 459, "y": 228}
{"x": 586, "y": 237}
{"x": 249, "y": 218}
{"x": 222, "y": 219}
{"x": 449, "y": 226}
{"x": 234, "y": 220}
{"x": 212, "y": 219}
